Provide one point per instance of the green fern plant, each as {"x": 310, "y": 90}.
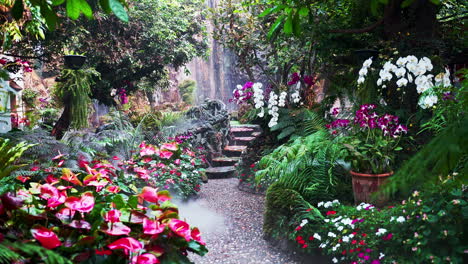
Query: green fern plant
{"x": 296, "y": 123}
{"x": 9, "y": 154}
{"x": 11, "y": 252}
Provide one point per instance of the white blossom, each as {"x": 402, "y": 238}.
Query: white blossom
{"x": 402, "y": 82}
{"x": 320, "y": 204}
{"x": 363, "y": 72}
{"x": 367, "y": 63}
{"x": 335, "y": 260}
{"x": 330, "y": 234}
{"x": 345, "y": 239}
{"x": 379, "y": 81}
{"x": 400, "y": 219}
{"x": 381, "y": 231}
{"x": 426, "y": 102}
{"x": 317, "y": 236}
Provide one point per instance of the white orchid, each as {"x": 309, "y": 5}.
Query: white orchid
{"x": 402, "y": 82}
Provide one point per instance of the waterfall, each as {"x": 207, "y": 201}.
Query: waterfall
{"x": 216, "y": 76}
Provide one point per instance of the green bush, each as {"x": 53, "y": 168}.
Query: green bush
{"x": 186, "y": 89}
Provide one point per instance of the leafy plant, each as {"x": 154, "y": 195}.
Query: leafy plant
{"x": 295, "y": 123}
{"x": 74, "y": 92}
{"x": 9, "y": 154}
{"x": 186, "y": 90}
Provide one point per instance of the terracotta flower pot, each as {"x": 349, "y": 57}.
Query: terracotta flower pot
{"x": 365, "y": 184}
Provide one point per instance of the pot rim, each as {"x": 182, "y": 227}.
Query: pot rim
{"x": 388, "y": 174}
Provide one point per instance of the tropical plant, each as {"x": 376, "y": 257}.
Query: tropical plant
{"x": 426, "y": 227}
{"x": 371, "y": 139}
{"x": 74, "y": 92}
{"x": 186, "y": 90}
{"x": 102, "y": 218}
{"x": 9, "y": 154}
{"x": 310, "y": 165}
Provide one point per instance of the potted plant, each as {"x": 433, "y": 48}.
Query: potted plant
{"x": 372, "y": 141}
{"x": 74, "y": 60}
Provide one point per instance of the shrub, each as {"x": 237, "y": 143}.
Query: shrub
{"x": 186, "y": 89}
{"x": 425, "y": 228}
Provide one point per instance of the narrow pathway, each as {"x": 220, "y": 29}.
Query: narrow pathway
{"x": 231, "y": 224}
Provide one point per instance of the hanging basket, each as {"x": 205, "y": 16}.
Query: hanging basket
{"x": 74, "y": 62}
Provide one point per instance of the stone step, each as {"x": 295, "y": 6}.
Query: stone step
{"x": 254, "y": 127}
{"x": 221, "y": 172}
{"x": 242, "y": 141}
{"x": 242, "y": 131}
{"x": 225, "y": 161}
{"x": 256, "y": 134}
{"x": 234, "y": 151}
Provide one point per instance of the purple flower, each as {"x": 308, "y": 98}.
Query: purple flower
{"x": 335, "y": 111}
{"x": 448, "y": 96}
{"x": 247, "y": 85}
{"x": 361, "y": 255}
{"x": 309, "y": 80}
{"x": 366, "y": 257}
{"x": 294, "y": 78}
{"x": 375, "y": 261}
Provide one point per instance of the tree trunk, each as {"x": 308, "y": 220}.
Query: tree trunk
{"x": 64, "y": 121}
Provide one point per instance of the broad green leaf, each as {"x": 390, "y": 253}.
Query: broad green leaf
{"x": 288, "y": 25}
{"x": 57, "y": 2}
{"x": 105, "y": 6}
{"x": 271, "y": 10}
{"x": 73, "y": 8}
{"x": 119, "y": 201}
{"x": 50, "y": 17}
{"x": 197, "y": 248}
{"x": 406, "y": 3}
{"x": 398, "y": 148}
{"x": 275, "y": 26}
{"x": 86, "y": 9}
{"x": 304, "y": 11}
{"x": 119, "y": 10}
{"x": 297, "y": 29}
{"x": 17, "y": 9}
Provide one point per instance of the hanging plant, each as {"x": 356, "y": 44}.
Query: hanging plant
{"x": 74, "y": 91}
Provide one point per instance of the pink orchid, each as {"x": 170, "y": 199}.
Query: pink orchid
{"x": 181, "y": 228}
{"x": 46, "y": 237}
{"x": 127, "y": 244}
{"x": 152, "y": 227}
{"x": 83, "y": 204}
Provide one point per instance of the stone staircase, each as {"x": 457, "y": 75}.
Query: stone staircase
{"x": 224, "y": 166}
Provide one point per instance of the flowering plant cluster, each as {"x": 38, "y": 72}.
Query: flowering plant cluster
{"x": 411, "y": 70}
{"x": 252, "y": 93}
{"x": 416, "y": 231}
{"x": 173, "y": 166}
{"x": 371, "y": 139}
{"x": 85, "y": 216}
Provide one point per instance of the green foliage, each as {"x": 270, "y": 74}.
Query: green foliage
{"x": 11, "y": 252}
{"x": 296, "y": 123}
{"x": 75, "y": 91}
{"x": 281, "y": 206}
{"x": 186, "y": 90}
{"x": 9, "y": 154}
{"x": 309, "y": 165}
{"x": 29, "y": 96}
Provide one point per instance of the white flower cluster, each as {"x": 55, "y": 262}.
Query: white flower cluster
{"x": 408, "y": 70}
{"x": 328, "y": 204}
{"x": 364, "y": 70}
{"x": 259, "y": 99}
{"x": 282, "y": 99}
{"x": 273, "y": 109}
{"x": 296, "y": 97}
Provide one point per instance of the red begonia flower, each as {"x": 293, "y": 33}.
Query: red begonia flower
{"x": 103, "y": 252}
{"x": 46, "y": 237}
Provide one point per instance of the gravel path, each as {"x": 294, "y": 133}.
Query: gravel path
{"x": 231, "y": 224}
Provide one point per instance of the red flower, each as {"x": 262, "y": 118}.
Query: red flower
{"x": 311, "y": 238}
{"x": 252, "y": 165}
{"x": 81, "y": 224}
{"x": 48, "y": 191}
{"x": 196, "y": 236}
{"x": 84, "y": 204}
{"x": 151, "y": 195}
{"x": 127, "y": 244}
{"x": 344, "y": 252}
{"x": 331, "y": 212}
{"x": 170, "y": 146}
{"x": 118, "y": 229}
{"x": 388, "y": 236}
{"x": 146, "y": 258}
{"x": 164, "y": 154}
{"x": 23, "y": 179}
{"x": 46, "y": 237}
{"x": 298, "y": 228}
{"x": 115, "y": 158}
{"x": 113, "y": 189}
{"x": 103, "y": 252}
{"x": 152, "y": 227}
{"x": 35, "y": 168}
{"x": 65, "y": 214}
{"x": 181, "y": 228}
{"x": 57, "y": 200}
{"x": 112, "y": 216}
{"x": 60, "y": 163}
{"x": 69, "y": 176}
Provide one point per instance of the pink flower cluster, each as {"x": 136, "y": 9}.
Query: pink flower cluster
{"x": 243, "y": 94}
{"x": 366, "y": 118}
